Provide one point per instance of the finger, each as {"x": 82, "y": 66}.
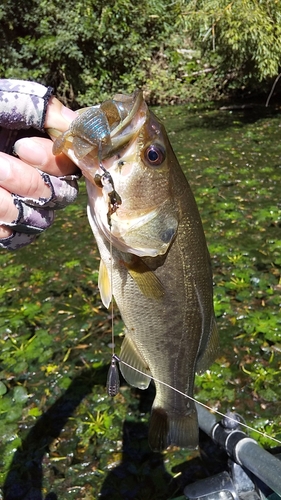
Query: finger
{"x": 5, "y": 232}
{"x": 29, "y": 220}
{"x": 8, "y": 212}
{"x": 37, "y": 151}
{"x": 22, "y": 178}
{"x": 58, "y": 116}
{"x": 17, "y": 177}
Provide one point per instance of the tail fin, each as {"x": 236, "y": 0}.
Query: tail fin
{"x": 158, "y": 430}
{"x": 170, "y": 429}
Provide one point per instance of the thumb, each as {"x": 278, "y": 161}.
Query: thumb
{"x": 58, "y": 116}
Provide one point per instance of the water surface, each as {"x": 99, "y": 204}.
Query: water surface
{"x": 61, "y": 435}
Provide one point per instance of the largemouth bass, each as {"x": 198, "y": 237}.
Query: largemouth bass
{"x": 151, "y": 241}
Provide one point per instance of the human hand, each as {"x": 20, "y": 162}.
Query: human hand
{"x": 31, "y": 210}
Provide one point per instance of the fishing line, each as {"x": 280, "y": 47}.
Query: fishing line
{"x": 198, "y": 402}
{"x": 113, "y": 380}
{"x": 111, "y": 291}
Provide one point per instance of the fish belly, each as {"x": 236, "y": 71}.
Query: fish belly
{"x": 163, "y": 337}
{"x": 167, "y": 333}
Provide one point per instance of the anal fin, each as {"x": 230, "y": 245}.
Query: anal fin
{"x": 131, "y": 356}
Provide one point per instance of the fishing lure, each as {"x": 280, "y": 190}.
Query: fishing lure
{"x": 106, "y": 182}
{"x": 86, "y": 132}
{"x": 113, "y": 380}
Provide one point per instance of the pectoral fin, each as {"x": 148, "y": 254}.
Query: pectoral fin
{"x": 104, "y": 285}
{"x": 210, "y": 353}
{"x": 145, "y": 278}
{"x": 131, "y": 356}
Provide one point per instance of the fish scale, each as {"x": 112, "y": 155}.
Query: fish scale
{"x": 156, "y": 255}
{"x": 155, "y": 336}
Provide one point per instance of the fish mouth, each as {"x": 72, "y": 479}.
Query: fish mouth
{"x": 144, "y": 230}
{"x": 122, "y": 118}
{"x": 128, "y": 114}
{"x": 100, "y": 132}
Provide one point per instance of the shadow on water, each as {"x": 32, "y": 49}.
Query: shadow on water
{"x": 140, "y": 475}
{"x": 224, "y": 117}
{"x": 141, "y": 470}
{"x": 24, "y": 480}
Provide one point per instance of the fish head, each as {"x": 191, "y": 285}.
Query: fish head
{"x": 129, "y": 177}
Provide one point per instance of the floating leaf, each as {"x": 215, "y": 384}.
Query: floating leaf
{"x": 3, "y": 388}
{"x": 20, "y": 394}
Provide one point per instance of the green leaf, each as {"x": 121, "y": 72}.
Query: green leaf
{"x": 20, "y": 394}
{"x": 3, "y": 388}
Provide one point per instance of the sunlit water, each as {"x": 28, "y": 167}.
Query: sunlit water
{"x": 54, "y": 333}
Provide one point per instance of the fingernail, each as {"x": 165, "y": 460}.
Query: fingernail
{"x": 5, "y": 168}
{"x": 68, "y": 114}
{"x": 31, "y": 152}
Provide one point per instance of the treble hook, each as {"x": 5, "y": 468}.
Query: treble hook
{"x": 107, "y": 183}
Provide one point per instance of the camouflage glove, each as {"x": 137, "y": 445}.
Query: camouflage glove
{"x": 23, "y": 106}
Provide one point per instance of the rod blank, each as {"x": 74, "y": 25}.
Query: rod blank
{"x": 244, "y": 450}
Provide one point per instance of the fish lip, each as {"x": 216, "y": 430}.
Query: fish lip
{"x": 128, "y": 128}
{"x": 120, "y": 136}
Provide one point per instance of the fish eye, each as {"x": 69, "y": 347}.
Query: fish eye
{"x": 154, "y": 155}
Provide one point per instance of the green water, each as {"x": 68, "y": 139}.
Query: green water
{"x": 61, "y": 436}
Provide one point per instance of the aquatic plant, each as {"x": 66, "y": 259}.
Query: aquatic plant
{"x": 60, "y": 432}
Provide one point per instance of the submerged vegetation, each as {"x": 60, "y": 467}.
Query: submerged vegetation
{"x": 61, "y": 435}
{"x": 175, "y": 51}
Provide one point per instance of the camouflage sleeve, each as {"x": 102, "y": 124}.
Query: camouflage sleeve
{"x": 36, "y": 215}
{"x": 23, "y": 106}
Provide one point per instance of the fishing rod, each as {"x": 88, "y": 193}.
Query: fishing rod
{"x": 253, "y": 473}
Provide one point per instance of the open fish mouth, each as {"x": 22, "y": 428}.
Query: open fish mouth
{"x": 107, "y": 143}
{"x": 130, "y": 114}
{"x": 102, "y": 130}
